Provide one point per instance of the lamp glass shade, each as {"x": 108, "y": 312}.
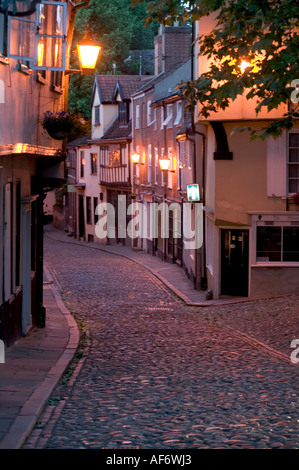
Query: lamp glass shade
{"x": 135, "y": 157}
{"x": 164, "y": 163}
{"x": 88, "y": 52}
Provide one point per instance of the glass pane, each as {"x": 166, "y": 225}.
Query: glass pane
{"x": 294, "y": 171}
{"x": 291, "y": 244}
{"x": 1, "y": 33}
{"x": 21, "y": 38}
{"x": 293, "y": 155}
{"x": 294, "y": 140}
{"x": 50, "y": 20}
{"x": 268, "y": 244}
{"x": 293, "y": 186}
{"x": 50, "y": 52}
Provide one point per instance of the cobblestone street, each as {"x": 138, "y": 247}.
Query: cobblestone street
{"x": 153, "y": 373}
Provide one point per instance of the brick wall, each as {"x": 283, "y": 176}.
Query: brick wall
{"x": 172, "y": 46}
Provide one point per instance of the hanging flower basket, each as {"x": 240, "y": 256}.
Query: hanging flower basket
{"x": 63, "y": 125}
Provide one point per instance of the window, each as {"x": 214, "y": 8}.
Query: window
{"x": 114, "y": 157}
{"x": 88, "y": 210}
{"x": 171, "y": 168}
{"x": 277, "y": 244}
{"x": 156, "y": 165}
{"x": 95, "y": 205}
{"x": 123, "y": 112}
{"x": 122, "y": 153}
{"x": 162, "y": 172}
{"x": 179, "y": 108}
{"x": 45, "y": 33}
{"x": 104, "y": 155}
{"x": 56, "y": 81}
{"x": 293, "y": 162}
{"x": 155, "y": 119}
{"x": 149, "y": 164}
{"x": 93, "y": 163}
{"x": 137, "y": 122}
{"x": 162, "y": 117}
{"x": 96, "y": 115}
{"x": 3, "y": 34}
{"x": 168, "y": 120}
{"x": 149, "y": 113}
{"x": 82, "y": 164}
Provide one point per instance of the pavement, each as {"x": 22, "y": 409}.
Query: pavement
{"x": 35, "y": 364}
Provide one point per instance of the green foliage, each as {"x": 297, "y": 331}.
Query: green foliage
{"x": 119, "y": 28}
{"x": 264, "y": 32}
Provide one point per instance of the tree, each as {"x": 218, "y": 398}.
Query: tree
{"x": 118, "y": 27}
{"x": 262, "y": 34}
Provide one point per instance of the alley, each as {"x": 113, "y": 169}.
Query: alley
{"x": 157, "y": 374}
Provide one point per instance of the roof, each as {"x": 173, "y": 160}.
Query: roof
{"x": 158, "y": 78}
{"x": 80, "y": 141}
{"x": 125, "y": 84}
{"x": 118, "y": 130}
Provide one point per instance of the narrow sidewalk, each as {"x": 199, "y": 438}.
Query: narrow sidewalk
{"x": 33, "y": 367}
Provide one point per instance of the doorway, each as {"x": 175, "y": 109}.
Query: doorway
{"x": 81, "y": 217}
{"x": 234, "y": 262}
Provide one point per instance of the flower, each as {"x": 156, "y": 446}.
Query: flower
{"x": 295, "y": 198}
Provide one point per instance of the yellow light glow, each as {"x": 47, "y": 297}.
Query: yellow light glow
{"x": 40, "y": 54}
{"x": 135, "y": 157}
{"x": 164, "y": 163}
{"x": 56, "y": 53}
{"x": 88, "y": 55}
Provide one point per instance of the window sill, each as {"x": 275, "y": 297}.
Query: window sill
{"x": 24, "y": 69}
{"x": 4, "y": 60}
{"x": 276, "y": 264}
{"x": 41, "y": 79}
{"x": 56, "y": 89}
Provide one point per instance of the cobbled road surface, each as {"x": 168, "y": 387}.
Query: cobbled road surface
{"x": 157, "y": 374}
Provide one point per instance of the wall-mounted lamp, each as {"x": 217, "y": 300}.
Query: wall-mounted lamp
{"x": 135, "y": 157}
{"x": 88, "y": 53}
{"x": 165, "y": 163}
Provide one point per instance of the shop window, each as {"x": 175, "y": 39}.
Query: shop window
{"x": 293, "y": 162}
{"x": 277, "y": 244}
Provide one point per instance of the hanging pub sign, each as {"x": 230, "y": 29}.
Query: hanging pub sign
{"x": 193, "y": 194}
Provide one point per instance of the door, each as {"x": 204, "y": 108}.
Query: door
{"x": 81, "y": 217}
{"x": 234, "y": 262}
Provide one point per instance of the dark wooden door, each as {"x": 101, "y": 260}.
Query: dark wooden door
{"x": 234, "y": 262}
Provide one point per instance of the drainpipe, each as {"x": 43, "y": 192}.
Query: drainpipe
{"x": 203, "y": 282}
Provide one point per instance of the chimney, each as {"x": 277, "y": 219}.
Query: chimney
{"x": 172, "y": 46}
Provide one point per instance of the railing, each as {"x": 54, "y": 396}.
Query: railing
{"x": 116, "y": 175}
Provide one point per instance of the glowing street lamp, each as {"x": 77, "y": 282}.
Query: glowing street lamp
{"x": 164, "y": 163}
{"x": 135, "y": 157}
{"x": 88, "y": 53}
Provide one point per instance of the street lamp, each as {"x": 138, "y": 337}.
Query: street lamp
{"x": 88, "y": 53}
{"x": 164, "y": 163}
{"x": 135, "y": 157}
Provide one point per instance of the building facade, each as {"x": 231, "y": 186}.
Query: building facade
{"x": 162, "y": 127}
{"x": 251, "y": 217}
{"x": 31, "y": 163}
{"x": 103, "y": 165}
